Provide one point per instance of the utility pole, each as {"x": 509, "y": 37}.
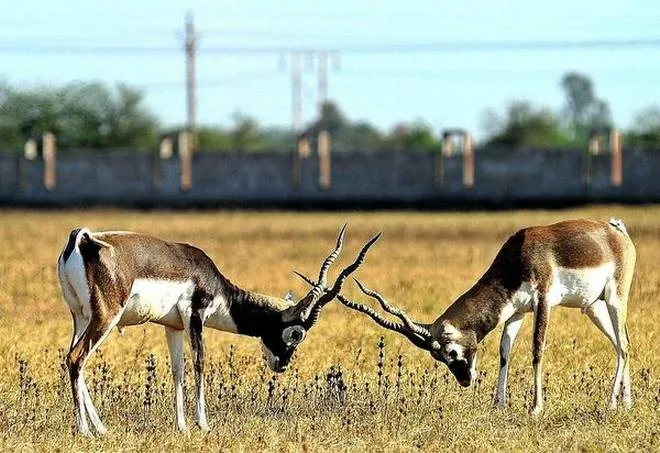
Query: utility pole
{"x": 322, "y": 78}
{"x": 296, "y": 119}
{"x": 191, "y": 95}
{"x": 323, "y": 141}
{"x": 188, "y": 140}
{"x": 296, "y": 93}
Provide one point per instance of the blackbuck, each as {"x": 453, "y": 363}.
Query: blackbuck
{"x": 118, "y": 279}
{"x": 579, "y": 263}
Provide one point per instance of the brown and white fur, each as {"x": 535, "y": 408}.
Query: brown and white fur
{"x": 578, "y": 263}
{"x": 119, "y": 279}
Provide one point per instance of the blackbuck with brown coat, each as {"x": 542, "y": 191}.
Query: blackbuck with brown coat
{"x": 578, "y": 263}
{"x": 118, "y": 279}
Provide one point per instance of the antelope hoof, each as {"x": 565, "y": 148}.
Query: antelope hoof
{"x": 537, "y": 410}
{"x": 85, "y": 432}
{"x": 101, "y": 430}
{"x": 501, "y": 405}
{"x": 204, "y": 427}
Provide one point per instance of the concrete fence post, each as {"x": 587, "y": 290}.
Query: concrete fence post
{"x": 166, "y": 148}
{"x": 30, "y": 150}
{"x": 594, "y": 143}
{"x": 468, "y": 161}
{"x": 164, "y": 151}
{"x": 301, "y": 151}
{"x": 447, "y": 144}
{"x": 447, "y": 149}
{"x": 185, "y": 154}
{"x": 50, "y": 155}
{"x": 616, "y": 170}
{"x": 304, "y": 148}
{"x": 594, "y": 147}
{"x": 325, "y": 176}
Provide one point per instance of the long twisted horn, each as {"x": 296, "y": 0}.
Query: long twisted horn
{"x": 416, "y": 339}
{"x": 315, "y": 309}
{"x": 348, "y": 270}
{"x": 413, "y": 326}
{"x": 319, "y": 286}
{"x": 419, "y": 335}
{"x": 309, "y": 307}
{"x": 305, "y": 278}
{"x": 323, "y": 273}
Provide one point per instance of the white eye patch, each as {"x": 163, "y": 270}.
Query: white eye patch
{"x": 293, "y": 335}
{"x": 454, "y": 351}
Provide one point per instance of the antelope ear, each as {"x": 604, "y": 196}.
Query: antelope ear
{"x": 298, "y": 312}
{"x": 290, "y": 297}
{"x": 436, "y": 351}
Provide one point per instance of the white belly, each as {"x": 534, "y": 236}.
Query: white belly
{"x": 579, "y": 288}
{"x": 156, "y": 301}
{"x": 165, "y": 302}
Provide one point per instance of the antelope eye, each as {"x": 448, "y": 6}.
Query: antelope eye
{"x": 293, "y": 335}
{"x": 452, "y": 354}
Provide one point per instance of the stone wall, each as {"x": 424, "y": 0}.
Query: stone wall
{"x": 503, "y": 177}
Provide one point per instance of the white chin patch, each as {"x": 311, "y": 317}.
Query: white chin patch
{"x": 473, "y": 371}
{"x": 271, "y": 359}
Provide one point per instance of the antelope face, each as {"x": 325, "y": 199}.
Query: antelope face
{"x": 459, "y": 353}
{"x": 279, "y": 346}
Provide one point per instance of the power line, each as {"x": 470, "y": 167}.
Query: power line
{"x": 217, "y": 81}
{"x": 234, "y": 80}
{"x": 438, "y": 47}
{"x": 86, "y": 49}
{"x": 479, "y": 72}
{"x": 123, "y": 16}
{"x": 467, "y": 46}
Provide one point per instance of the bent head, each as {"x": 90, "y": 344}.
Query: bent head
{"x": 459, "y": 353}
{"x": 281, "y": 335}
{"x": 279, "y": 348}
{"x": 288, "y": 328}
{"x": 447, "y": 344}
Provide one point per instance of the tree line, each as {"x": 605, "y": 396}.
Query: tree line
{"x": 93, "y": 115}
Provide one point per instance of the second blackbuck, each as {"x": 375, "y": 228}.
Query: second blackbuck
{"x": 580, "y": 263}
{"x": 117, "y": 279}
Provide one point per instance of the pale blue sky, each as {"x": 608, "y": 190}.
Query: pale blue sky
{"x": 445, "y": 89}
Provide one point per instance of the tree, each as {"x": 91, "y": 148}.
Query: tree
{"x": 365, "y": 136}
{"x": 246, "y": 134}
{"x": 24, "y": 114}
{"x": 645, "y": 132}
{"x": 279, "y": 138}
{"x": 128, "y": 124}
{"x": 82, "y": 115}
{"x": 417, "y": 135}
{"x": 332, "y": 119}
{"x": 583, "y": 107}
{"x": 524, "y": 124}
{"x": 215, "y": 138}
{"x": 345, "y": 135}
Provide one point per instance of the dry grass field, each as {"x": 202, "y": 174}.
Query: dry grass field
{"x": 338, "y": 395}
